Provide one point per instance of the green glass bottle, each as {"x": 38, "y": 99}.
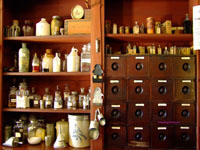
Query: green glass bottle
{"x": 24, "y": 58}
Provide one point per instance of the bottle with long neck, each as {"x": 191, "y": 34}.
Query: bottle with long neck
{"x": 187, "y": 25}
{"x": 35, "y": 63}
{"x": 24, "y": 57}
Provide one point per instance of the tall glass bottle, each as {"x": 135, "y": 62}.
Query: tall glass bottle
{"x": 81, "y": 97}
{"x": 24, "y": 57}
{"x": 15, "y": 29}
{"x": 35, "y": 63}
{"x": 187, "y": 24}
{"x": 136, "y": 28}
{"x": 50, "y": 57}
{"x": 45, "y": 63}
{"x": 85, "y": 59}
{"x": 66, "y": 95}
{"x": 56, "y": 63}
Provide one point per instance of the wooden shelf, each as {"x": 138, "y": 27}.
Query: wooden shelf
{"x": 52, "y": 39}
{"x": 46, "y": 73}
{"x": 37, "y": 110}
{"x": 39, "y": 147}
{"x": 151, "y": 37}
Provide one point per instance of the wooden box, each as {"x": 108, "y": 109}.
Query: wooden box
{"x": 77, "y": 26}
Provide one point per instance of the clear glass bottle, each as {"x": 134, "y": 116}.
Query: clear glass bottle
{"x": 35, "y": 63}
{"x": 20, "y": 131}
{"x": 159, "y": 50}
{"x": 49, "y": 101}
{"x": 32, "y": 96}
{"x": 86, "y": 102}
{"x": 71, "y": 103}
{"x": 75, "y": 94}
{"x": 56, "y": 63}
{"x": 58, "y": 102}
{"x": 15, "y": 29}
{"x": 46, "y": 94}
{"x": 32, "y": 128}
{"x": 66, "y": 95}
{"x": 81, "y": 98}
{"x": 45, "y": 64}
{"x": 85, "y": 59}
{"x": 57, "y": 92}
{"x": 36, "y": 102}
{"x": 142, "y": 28}
{"x": 187, "y": 25}
{"x": 166, "y": 51}
{"x": 50, "y": 57}
{"x": 12, "y": 97}
{"x": 136, "y": 28}
{"x": 24, "y": 57}
{"x": 41, "y": 129}
{"x": 28, "y": 29}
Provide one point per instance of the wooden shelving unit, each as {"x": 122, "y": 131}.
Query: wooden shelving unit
{"x": 51, "y": 39}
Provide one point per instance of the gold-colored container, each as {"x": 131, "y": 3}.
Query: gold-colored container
{"x": 63, "y": 126}
{"x": 150, "y": 25}
{"x": 121, "y": 29}
{"x": 56, "y": 22}
{"x": 141, "y": 49}
{"x": 127, "y": 30}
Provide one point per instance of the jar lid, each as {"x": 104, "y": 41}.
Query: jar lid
{"x": 28, "y": 22}
{"x": 56, "y": 17}
{"x": 15, "y": 21}
{"x": 150, "y": 18}
{"x": 49, "y": 51}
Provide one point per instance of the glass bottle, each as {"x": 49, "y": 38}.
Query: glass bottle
{"x": 57, "y": 31}
{"x": 49, "y": 101}
{"x": 187, "y": 25}
{"x": 50, "y": 57}
{"x": 81, "y": 97}
{"x": 15, "y": 29}
{"x": 28, "y": 29}
{"x": 66, "y": 95}
{"x": 32, "y": 96}
{"x": 85, "y": 59}
{"x": 64, "y": 63}
{"x": 40, "y": 132}
{"x": 56, "y": 63}
{"x": 159, "y": 50}
{"x": 166, "y": 51}
{"x": 12, "y": 97}
{"x": 35, "y": 63}
{"x": 24, "y": 57}
{"x": 20, "y": 131}
{"x": 36, "y": 101}
{"x": 142, "y": 29}
{"x": 86, "y": 102}
{"x": 71, "y": 103}
{"x": 45, "y": 64}
{"x": 46, "y": 94}
{"x": 32, "y": 128}
{"x": 136, "y": 28}
{"x": 56, "y": 22}
{"x": 58, "y": 102}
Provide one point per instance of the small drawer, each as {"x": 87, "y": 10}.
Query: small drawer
{"x": 161, "y": 136}
{"x": 184, "y": 67}
{"x": 185, "y": 89}
{"x": 162, "y": 90}
{"x": 138, "y": 90}
{"x": 139, "y": 136}
{"x": 115, "y": 66}
{"x": 115, "y": 136}
{"x": 138, "y": 66}
{"x": 185, "y": 112}
{"x": 115, "y": 113}
{"x": 138, "y": 112}
{"x": 162, "y": 112}
{"x": 185, "y": 136}
{"x": 161, "y": 66}
{"x": 115, "y": 89}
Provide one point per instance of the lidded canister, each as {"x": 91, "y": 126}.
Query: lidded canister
{"x": 63, "y": 126}
{"x": 56, "y": 22}
{"x": 73, "y": 61}
{"x": 42, "y": 28}
{"x": 78, "y": 131}
{"x": 150, "y": 25}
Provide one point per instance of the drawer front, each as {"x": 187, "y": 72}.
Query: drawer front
{"x": 162, "y": 90}
{"x": 161, "y": 136}
{"x": 115, "y": 66}
{"x": 115, "y": 113}
{"x": 138, "y": 90}
{"x": 162, "y": 112}
{"x": 138, "y": 66}
{"x": 161, "y": 66}
{"x": 185, "y": 89}
{"x": 115, "y": 89}
{"x": 185, "y": 112}
{"x": 185, "y": 136}
{"x": 115, "y": 136}
{"x": 139, "y": 136}
{"x": 184, "y": 66}
{"x": 138, "y": 113}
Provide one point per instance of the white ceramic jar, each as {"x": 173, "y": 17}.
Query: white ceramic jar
{"x": 42, "y": 28}
{"x": 73, "y": 61}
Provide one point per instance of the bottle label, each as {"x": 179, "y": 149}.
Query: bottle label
{"x": 13, "y": 100}
{"x": 17, "y": 134}
{"x": 57, "y": 105}
{"x": 36, "y": 102}
{"x": 86, "y": 60}
{"x": 23, "y": 62}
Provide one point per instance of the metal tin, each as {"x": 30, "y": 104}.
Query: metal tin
{"x": 7, "y": 132}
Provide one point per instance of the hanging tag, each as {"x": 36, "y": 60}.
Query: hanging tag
{"x": 97, "y": 74}
{"x": 98, "y": 100}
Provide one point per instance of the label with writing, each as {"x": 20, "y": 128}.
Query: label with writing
{"x": 115, "y": 106}
{"x": 114, "y": 81}
{"x": 17, "y": 134}
{"x": 138, "y": 81}
{"x": 139, "y": 57}
{"x": 186, "y": 81}
{"x": 13, "y": 100}
{"x": 114, "y": 57}
{"x": 162, "y": 81}
{"x": 185, "y": 104}
{"x": 162, "y": 128}
{"x": 138, "y": 128}
{"x": 162, "y": 104}
{"x": 36, "y": 102}
{"x": 185, "y": 58}
{"x": 140, "y": 104}
{"x": 184, "y": 128}
{"x": 116, "y": 128}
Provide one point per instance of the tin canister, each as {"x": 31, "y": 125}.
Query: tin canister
{"x": 50, "y": 130}
{"x": 150, "y": 25}
{"x": 78, "y": 131}
{"x": 7, "y": 132}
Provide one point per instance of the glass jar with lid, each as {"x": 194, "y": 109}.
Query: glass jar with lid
{"x": 56, "y": 22}
{"x": 36, "y": 101}
{"x": 41, "y": 129}
{"x": 81, "y": 97}
{"x": 49, "y": 101}
{"x": 85, "y": 59}
{"x": 15, "y": 29}
{"x": 58, "y": 102}
{"x": 71, "y": 103}
{"x": 20, "y": 131}
{"x": 66, "y": 95}
{"x": 12, "y": 97}
{"x": 32, "y": 128}
{"x": 28, "y": 29}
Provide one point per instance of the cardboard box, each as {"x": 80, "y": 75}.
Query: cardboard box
{"x": 77, "y": 26}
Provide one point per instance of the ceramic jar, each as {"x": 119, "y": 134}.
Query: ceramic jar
{"x": 73, "y": 61}
{"x": 42, "y": 28}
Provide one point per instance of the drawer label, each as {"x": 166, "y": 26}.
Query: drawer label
{"x": 139, "y": 57}
{"x": 116, "y": 128}
{"x": 186, "y": 81}
{"x": 140, "y": 104}
{"x": 162, "y": 104}
{"x": 162, "y": 128}
{"x": 138, "y": 81}
{"x": 184, "y": 128}
{"x": 114, "y": 57}
{"x": 114, "y": 81}
{"x": 162, "y": 81}
{"x": 138, "y": 128}
{"x": 185, "y": 105}
{"x": 115, "y": 106}
{"x": 185, "y": 58}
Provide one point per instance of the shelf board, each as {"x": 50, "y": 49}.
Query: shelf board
{"x": 51, "y": 110}
{"x": 52, "y": 39}
{"x": 151, "y": 37}
{"x": 38, "y": 147}
{"x": 46, "y": 73}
